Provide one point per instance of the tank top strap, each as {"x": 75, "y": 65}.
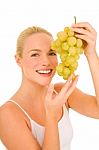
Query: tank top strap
{"x": 20, "y": 108}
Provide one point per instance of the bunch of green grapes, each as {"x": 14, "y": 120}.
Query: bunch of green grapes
{"x": 69, "y": 48}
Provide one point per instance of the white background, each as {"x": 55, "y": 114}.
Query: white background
{"x": 53, "y": 15}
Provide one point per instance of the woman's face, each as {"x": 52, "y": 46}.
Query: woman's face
{"x": 39, "y": 60}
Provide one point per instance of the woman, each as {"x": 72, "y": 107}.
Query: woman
{"x": 36, "y": 116}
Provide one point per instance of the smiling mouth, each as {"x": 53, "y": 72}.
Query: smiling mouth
{"x": 46, "y": 71}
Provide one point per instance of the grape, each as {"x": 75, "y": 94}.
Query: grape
{"x": 66, "y": 72}
{"x": 72, "y": 50}
{"x": 63, "y": 56}
{"x": 62, "y": 36}
{"x": 60, "y": 69}
{"x": 71, "y": 41}
{"x": 74, "y": 65}
{"x": 79, "y": 50}
{"x": 58, "y": 43}
{"x": 65, "y": 46}
{"x": 79, "y": 43}
{"x": 68, "y": 31}
{"x": 69, "y": 47}
{"x": 69, "y": 60}
{"x": 76, "y": 57}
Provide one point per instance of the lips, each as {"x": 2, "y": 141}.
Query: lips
{"x": 44, "y": 71}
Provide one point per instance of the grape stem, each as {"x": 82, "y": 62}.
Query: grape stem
{"x": 75, "y": 19}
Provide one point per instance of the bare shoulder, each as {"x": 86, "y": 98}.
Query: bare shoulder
{"x": 9, "y": 110}
{"x": 15, "y": 125}
{"x": 6, "y": 110}
{"x": 10, "y": 114}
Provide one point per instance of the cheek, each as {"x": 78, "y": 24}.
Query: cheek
{"x": 30, "y": 63}
{"x": 55, "y": 61}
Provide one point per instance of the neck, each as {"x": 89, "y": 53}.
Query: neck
{"x": 31, "y": 92}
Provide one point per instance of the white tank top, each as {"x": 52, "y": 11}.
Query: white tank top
{"x": 64, "y": 127}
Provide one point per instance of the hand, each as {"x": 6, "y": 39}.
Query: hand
{"x": 53, "y": 105}
{"x": 87, "y": 33}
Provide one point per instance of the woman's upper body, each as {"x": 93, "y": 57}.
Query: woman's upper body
{"x": 38, "y": 129}
{"x": 37, "y": 62}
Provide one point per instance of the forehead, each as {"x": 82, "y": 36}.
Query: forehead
{"x": 37, "y": 41}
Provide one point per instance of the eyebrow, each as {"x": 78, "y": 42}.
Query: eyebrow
{"x": 38, "y": 50}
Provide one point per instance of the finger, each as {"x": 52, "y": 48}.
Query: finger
{"x": 72, "y": 87}
{"x": 85, "y": 38}
{"x": 50, "y": 92}
{"x": 83, "y": 32}
{"x": 85, "y": 25}
{"x": 66, "y": 86}
{"x": 64, "y": 96}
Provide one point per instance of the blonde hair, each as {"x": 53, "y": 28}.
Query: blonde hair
{"x": 26, "y": 33}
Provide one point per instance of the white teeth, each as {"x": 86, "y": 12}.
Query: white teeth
{"x": 44, "y": 71}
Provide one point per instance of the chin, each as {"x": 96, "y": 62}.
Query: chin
{"x": 44, "y": 82}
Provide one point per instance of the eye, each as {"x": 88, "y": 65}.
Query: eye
{"x": 35, "y": 55}
{"x": 52, "y": 53}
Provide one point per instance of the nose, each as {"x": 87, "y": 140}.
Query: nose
{"x": 45, "y": 61}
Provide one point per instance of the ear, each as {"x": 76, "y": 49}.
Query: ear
{"x": 18, "y": 60}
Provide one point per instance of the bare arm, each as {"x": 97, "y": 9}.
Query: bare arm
{"x": 51, "y": 137}
{"x": 84, "y": 104}
{"x": 93, "y": 61}
{"x": 14, "y": 130}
